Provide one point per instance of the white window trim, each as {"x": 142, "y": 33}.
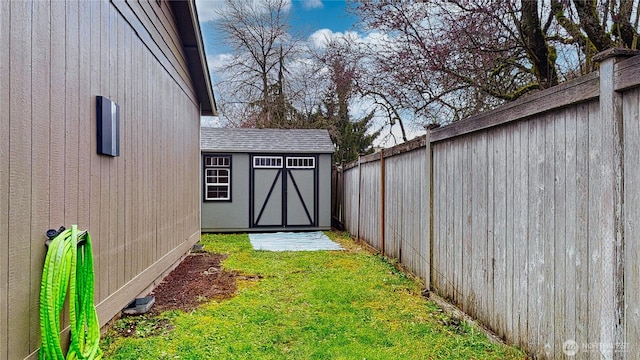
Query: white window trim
{"x": 258, "y": 166}
{"x": 218, "y": 163}
{"x": 224, "y": 184}
{"x": 312, "y": 166}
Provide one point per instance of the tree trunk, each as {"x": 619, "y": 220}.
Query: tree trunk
{"x": 590, "y": 21}
{"x": 536, "y": 45}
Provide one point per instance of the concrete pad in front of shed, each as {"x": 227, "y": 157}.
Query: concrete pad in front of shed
{"x": 293, "y": 241}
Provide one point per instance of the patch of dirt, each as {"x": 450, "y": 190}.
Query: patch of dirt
{"x": 197, "y": 279}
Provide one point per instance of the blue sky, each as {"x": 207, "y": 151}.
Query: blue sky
{"x": 327, "y": 14}
{"x": 308, "y": 16}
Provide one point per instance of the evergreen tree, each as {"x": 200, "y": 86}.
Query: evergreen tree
{"x": 351, "y": 137}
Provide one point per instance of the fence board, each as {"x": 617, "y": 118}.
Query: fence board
{"x": 456, "y": 239}
{"x": 565, "y": 328}
{"x": 467, "y": 226}
{"x": 594, "y": 236}
{"x": 479, "y": 226}
{"x": 521, "y": 216}
{"x": 583, "y": 256}
{"x": 487, "y": 256}
{"x": 631, "y": 113}
{"x": 499, "y": 277}
{"x": 557, "y": 247}
{"x": 536, "y": 217}
{"x": 439, "y": 191}
{"x": 510, "y": 266}
{"x": 427, "y": 212}
{"x": 548, "y": 240}
{"x": 351, "y": 192}
{"x": 448, "y": 246}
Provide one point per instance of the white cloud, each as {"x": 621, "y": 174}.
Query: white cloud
{"x": 208, "y": 9}
{"x": 312, "y": 4}
{"x": 322, "y": 37}
{"x": 216, "y": 61}
{"x": 211, "y": 121}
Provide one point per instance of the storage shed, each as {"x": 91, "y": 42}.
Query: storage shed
{"x": 265, "y": 179}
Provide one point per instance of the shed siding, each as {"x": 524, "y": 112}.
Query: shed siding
{"x": 222, "y": 216}
{"x": 234, "y": 214}
{"x": 142, "y": 208}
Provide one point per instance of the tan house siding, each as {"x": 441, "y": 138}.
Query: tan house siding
{"x": 141, "y": 208}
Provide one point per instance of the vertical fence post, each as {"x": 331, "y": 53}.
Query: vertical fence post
{"x": 382, "y": 197}
{"x": 610, "y": 201}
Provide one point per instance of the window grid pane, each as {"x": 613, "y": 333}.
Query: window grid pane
{"x": 273, "y": 162}
{"x": 217, "y": 161}
{"x": 217, "y": 177}
{"x": 301, "y": 163}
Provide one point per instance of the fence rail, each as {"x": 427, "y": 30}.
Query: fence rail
{"x": 526, "y": 217}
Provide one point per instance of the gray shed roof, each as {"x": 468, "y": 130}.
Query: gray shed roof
{"x": 266, "y": 140}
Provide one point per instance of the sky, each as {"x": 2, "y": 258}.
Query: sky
{"x": 320, "y": 19}
{"x": 317, "y": 19}
{"x": 308, "y": 16}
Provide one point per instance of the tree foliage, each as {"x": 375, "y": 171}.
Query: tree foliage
{"x": 254, "y": 83}
{"x": 439, "y": 61}
{"x": 351, "y": 137}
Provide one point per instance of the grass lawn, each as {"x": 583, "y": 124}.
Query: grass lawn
{"x": 309, "y": 305}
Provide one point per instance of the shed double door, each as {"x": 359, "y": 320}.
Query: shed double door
{"x": 284, "y": 191}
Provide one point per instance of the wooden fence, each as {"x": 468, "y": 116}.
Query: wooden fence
{"x": 526, "y": 217}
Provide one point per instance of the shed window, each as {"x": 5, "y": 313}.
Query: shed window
{"x": 217, "y": 174}
{"x": 267, "y": 162}
{"x": 301, "y": 162}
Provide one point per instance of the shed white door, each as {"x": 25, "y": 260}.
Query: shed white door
{"x": 284, "y": 191}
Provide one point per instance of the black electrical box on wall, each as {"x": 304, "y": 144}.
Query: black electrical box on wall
{"x": 108, "y": 127}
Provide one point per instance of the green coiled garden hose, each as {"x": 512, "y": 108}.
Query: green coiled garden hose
{"x": 69, "y": 265}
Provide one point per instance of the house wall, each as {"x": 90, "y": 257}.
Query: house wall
{"x": 531, "y": 215}
{"x": 229, "y": 216}
{"x": 142, "y": 208}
